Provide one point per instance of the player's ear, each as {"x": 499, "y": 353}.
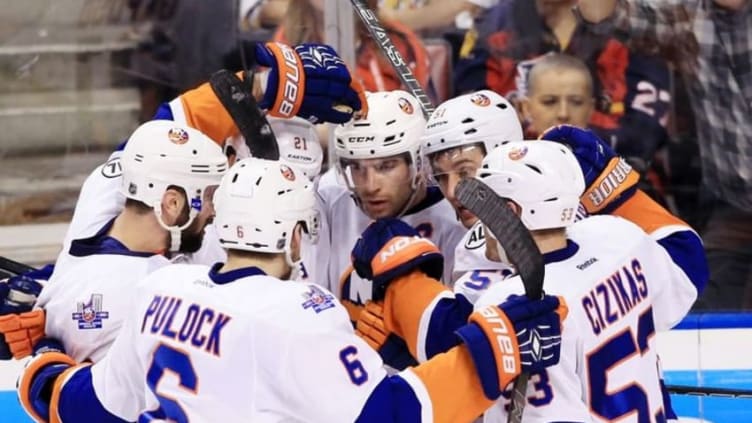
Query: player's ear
{"x": 297, "y": 236}
{"x": 174, "y": 206}
{"x": 514, "y": 207}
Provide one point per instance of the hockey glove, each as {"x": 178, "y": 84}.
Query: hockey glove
{"x": 390, "y": 248}
{"x": 372, "y": 329}
{"x": 310, "y": 81}
{"x": 518, "y": 335}
{"x": 609, "y": 179}
{"x": 36, "y": 383}
{"x": 20, "y": 328}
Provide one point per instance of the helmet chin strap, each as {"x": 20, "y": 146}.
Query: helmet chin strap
{"x": 174, "y": 231}
{"x": 295, "y": 271}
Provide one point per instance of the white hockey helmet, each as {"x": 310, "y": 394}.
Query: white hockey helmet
{"x": 163, "y": 153}
{"x": 483, "y": 117}
{"x": 298, "y": 144}
{"x": 258, "y": 204}
{"x": 542, "y": 177}
{"x": 394, "y": 126}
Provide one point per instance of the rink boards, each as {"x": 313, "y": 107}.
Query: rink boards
{"x": 703, "y": 350}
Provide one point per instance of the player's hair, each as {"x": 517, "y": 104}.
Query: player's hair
{"x": 559, "y": 61}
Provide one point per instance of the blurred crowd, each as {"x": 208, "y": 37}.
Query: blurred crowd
{"x": 668, "y": 84}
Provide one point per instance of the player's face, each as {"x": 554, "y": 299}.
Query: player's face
{"x": 192, "y": 236}
{"x": 558, "y": 96}
{"x": 383, "y": 185}
{"x": 449, "y": 168}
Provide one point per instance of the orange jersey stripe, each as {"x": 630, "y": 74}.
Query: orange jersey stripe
{"x": 646, "y": 213}
{"x": 405, "y": 303}
{"x": 453, "y": 386}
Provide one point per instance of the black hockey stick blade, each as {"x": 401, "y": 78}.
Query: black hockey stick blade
{"x": 381, "y": 38}
{"x": 704, "y": 391}
{"x": 512, "y": 234}
{"x": 237, "y": 98}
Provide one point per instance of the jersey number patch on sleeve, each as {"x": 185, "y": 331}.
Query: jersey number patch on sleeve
{"x": 166, "y": 358}
{"x": 353, "y": 366}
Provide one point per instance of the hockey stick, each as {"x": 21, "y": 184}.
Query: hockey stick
{"x": 237, "y": 98}
{"x": 521, "y": 250}
{"x": 381, "y": 38}
{"x": 703, "y": 391}
{"x": 10, "y": 268}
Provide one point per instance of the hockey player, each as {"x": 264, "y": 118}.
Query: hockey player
{"x": 232, "y": 342}
{"x": 381, "y": 161}
{"x": 86, "y": 314}
{"x": 642, "y": 278}
{"x": 459, "y": 133}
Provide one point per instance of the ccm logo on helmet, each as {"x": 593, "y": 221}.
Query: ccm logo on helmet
{"x": 360, "y": 139}
{"x": 292, "y": 78}
{"x": 499, "y": 328}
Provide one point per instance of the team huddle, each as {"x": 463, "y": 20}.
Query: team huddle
{"x": 199, "y": 283}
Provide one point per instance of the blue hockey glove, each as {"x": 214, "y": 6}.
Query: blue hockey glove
{"x": 310, "y": 81}
{"x": 20, "y": 327}
{"x": 390, "y": 248}
{"x": 610, "y": 179}
{"x": 35, "y": 385}
{"x": 518, "y": 335}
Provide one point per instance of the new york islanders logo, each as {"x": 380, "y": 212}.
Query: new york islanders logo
{"x": 90, "y": 315}
{"x": 405, "y": 105}
{"x": 518, "y": 153}
{"x": 178, "y": 135}
{"x": 317, "y": 299}
{"x": 480, "y": 99}
{"x": 287, "y": 172}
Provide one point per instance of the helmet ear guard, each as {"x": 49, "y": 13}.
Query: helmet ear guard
{"x": 542, "y": 177}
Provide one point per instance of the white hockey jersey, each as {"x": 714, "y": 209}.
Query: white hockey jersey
{"x": 434, "y": 219}
{"x": 243, "y": 346}
{"x": 619, "y": 291}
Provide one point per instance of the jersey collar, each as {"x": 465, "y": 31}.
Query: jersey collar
{"x": 232, "y": 275}
{"x": 562, "y": 253}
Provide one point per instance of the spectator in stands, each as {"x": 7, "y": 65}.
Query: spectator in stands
{"x": 304, "y": 22}
{"x": 710, "y": 42}
{"x": 434, "y": 17}
{"x": 559, "y": 90}
{"x": 632, "y": 92}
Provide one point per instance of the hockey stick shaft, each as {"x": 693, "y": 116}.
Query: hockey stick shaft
{"x": 381, "y": 38}
{"x": 11, "y": 266}
{"x": 522, "y": 251}
{"x": 704, "y": 391}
